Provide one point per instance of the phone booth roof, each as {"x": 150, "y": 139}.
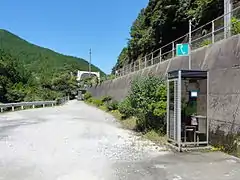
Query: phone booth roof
{"x": 188, "y": 74}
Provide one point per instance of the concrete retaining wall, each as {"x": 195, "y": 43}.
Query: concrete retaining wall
{"x": 220, "y": 59}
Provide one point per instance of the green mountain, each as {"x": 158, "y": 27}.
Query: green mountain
{"x": 29, "y": 72}
{"x": 38, "y": 60}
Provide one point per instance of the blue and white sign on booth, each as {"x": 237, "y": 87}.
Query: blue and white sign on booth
{"x": 182, "y": 49}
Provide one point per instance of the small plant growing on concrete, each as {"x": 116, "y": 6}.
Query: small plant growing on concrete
{"x": 87, "y": 96}
{"x": 235, "y": 26}
{"x": 206, "y": 42}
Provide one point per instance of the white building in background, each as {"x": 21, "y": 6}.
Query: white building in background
{"x": 85, "y": 74}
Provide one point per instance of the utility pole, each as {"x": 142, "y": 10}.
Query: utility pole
{"x": 190, "y": 46}
{"x": 227, "y": 18}
{"x": 1, "y": 44}
{"x": 90, "y": 59}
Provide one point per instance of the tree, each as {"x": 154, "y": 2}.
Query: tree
{"x": 162, "y": 22}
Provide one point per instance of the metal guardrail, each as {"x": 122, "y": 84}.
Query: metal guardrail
{"x": 35, "y": 104}
{"x": 207, "y": 34}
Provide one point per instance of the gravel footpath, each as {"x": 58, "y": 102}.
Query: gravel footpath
{"x": 79, "y": 142}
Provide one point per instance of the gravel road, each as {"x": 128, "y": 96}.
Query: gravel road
{"x": 79, "y": 142}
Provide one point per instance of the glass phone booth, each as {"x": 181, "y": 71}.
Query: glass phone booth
{"x": 187, "y": 98}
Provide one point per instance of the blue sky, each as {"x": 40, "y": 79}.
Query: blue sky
{"x": 72, "y": 27}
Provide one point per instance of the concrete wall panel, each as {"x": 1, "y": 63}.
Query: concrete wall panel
{"x": 220, "y": 59}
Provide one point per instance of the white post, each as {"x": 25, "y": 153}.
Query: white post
{"x": 22, "y": 107}
{"x": 207, "y": 107}
{"x": 160, "y": 54}
{"x": 43, "y": 105}
{"x": 168, "y": 123}
{"x": 152, "y": 59}
{"x": 52, "y": 105}
{"x": 213, "y": 31}
{"x": 140, "y": 64}
{"x": 33, "y": 106}
{"x": 227, "y": 18}
{"x": 145, "y": 60}
{"x": 173, "y": 48}
{"x": 190, "y": 44}
{"x": 179, "y": 101}
{"x": 1, "y": 110}
{"x": 12, "y": 108}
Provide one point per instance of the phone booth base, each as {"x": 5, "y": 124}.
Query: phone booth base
{"x": 187, "y": 109}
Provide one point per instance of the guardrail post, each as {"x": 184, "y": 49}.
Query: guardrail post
{"x": 140, "y": 66}
{"x": 22, "y": 107}
{"x": 213, "y": 30}
{"x": 43, "y": 105}
{"x": 134, "y": 67}
{"x": 1, "y": 110}
{"x": 33, "y": 106}
{"x": 52, "y": 104}
{"x": 12, "y": 108}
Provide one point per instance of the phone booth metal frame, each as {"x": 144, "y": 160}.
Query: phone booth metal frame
{"x": 187, "y": 109}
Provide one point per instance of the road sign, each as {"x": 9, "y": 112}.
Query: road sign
{"x": 182, "y": 49}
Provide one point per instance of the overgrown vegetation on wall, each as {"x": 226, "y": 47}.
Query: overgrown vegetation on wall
{"x": 145, "y": 105}
{"x": 163, "y": 21}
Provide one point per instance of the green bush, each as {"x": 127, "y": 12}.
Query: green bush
{"x": 148, "y": 99}
{"x": 112, "y": 105}
{"x": 235, "y": 26}
{"x": 89, "y": 100}
{"x": 125, "y": 108}
{"x": 97, "y": 102}
{"x": 87, "y": 96}
{"x": 106, "y": 99}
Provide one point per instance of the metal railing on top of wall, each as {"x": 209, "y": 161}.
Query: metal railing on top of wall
{"x": 207, "y": 34}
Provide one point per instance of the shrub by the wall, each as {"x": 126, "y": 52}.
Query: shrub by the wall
{"x": 148, "y": 98}
{"x": 97, "y": 102}
{"x": 106, "y": 99}
{"x": 112, "y": 105}
{"x": 87, "y": 96}
{"x": 235, "y": 26}
{"x": 125, "y": 108}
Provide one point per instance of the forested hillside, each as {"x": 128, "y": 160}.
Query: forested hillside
{"x": 29, "y": 72}
{"x": 38, "y": 60}
{"x": 163, "y": 21}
